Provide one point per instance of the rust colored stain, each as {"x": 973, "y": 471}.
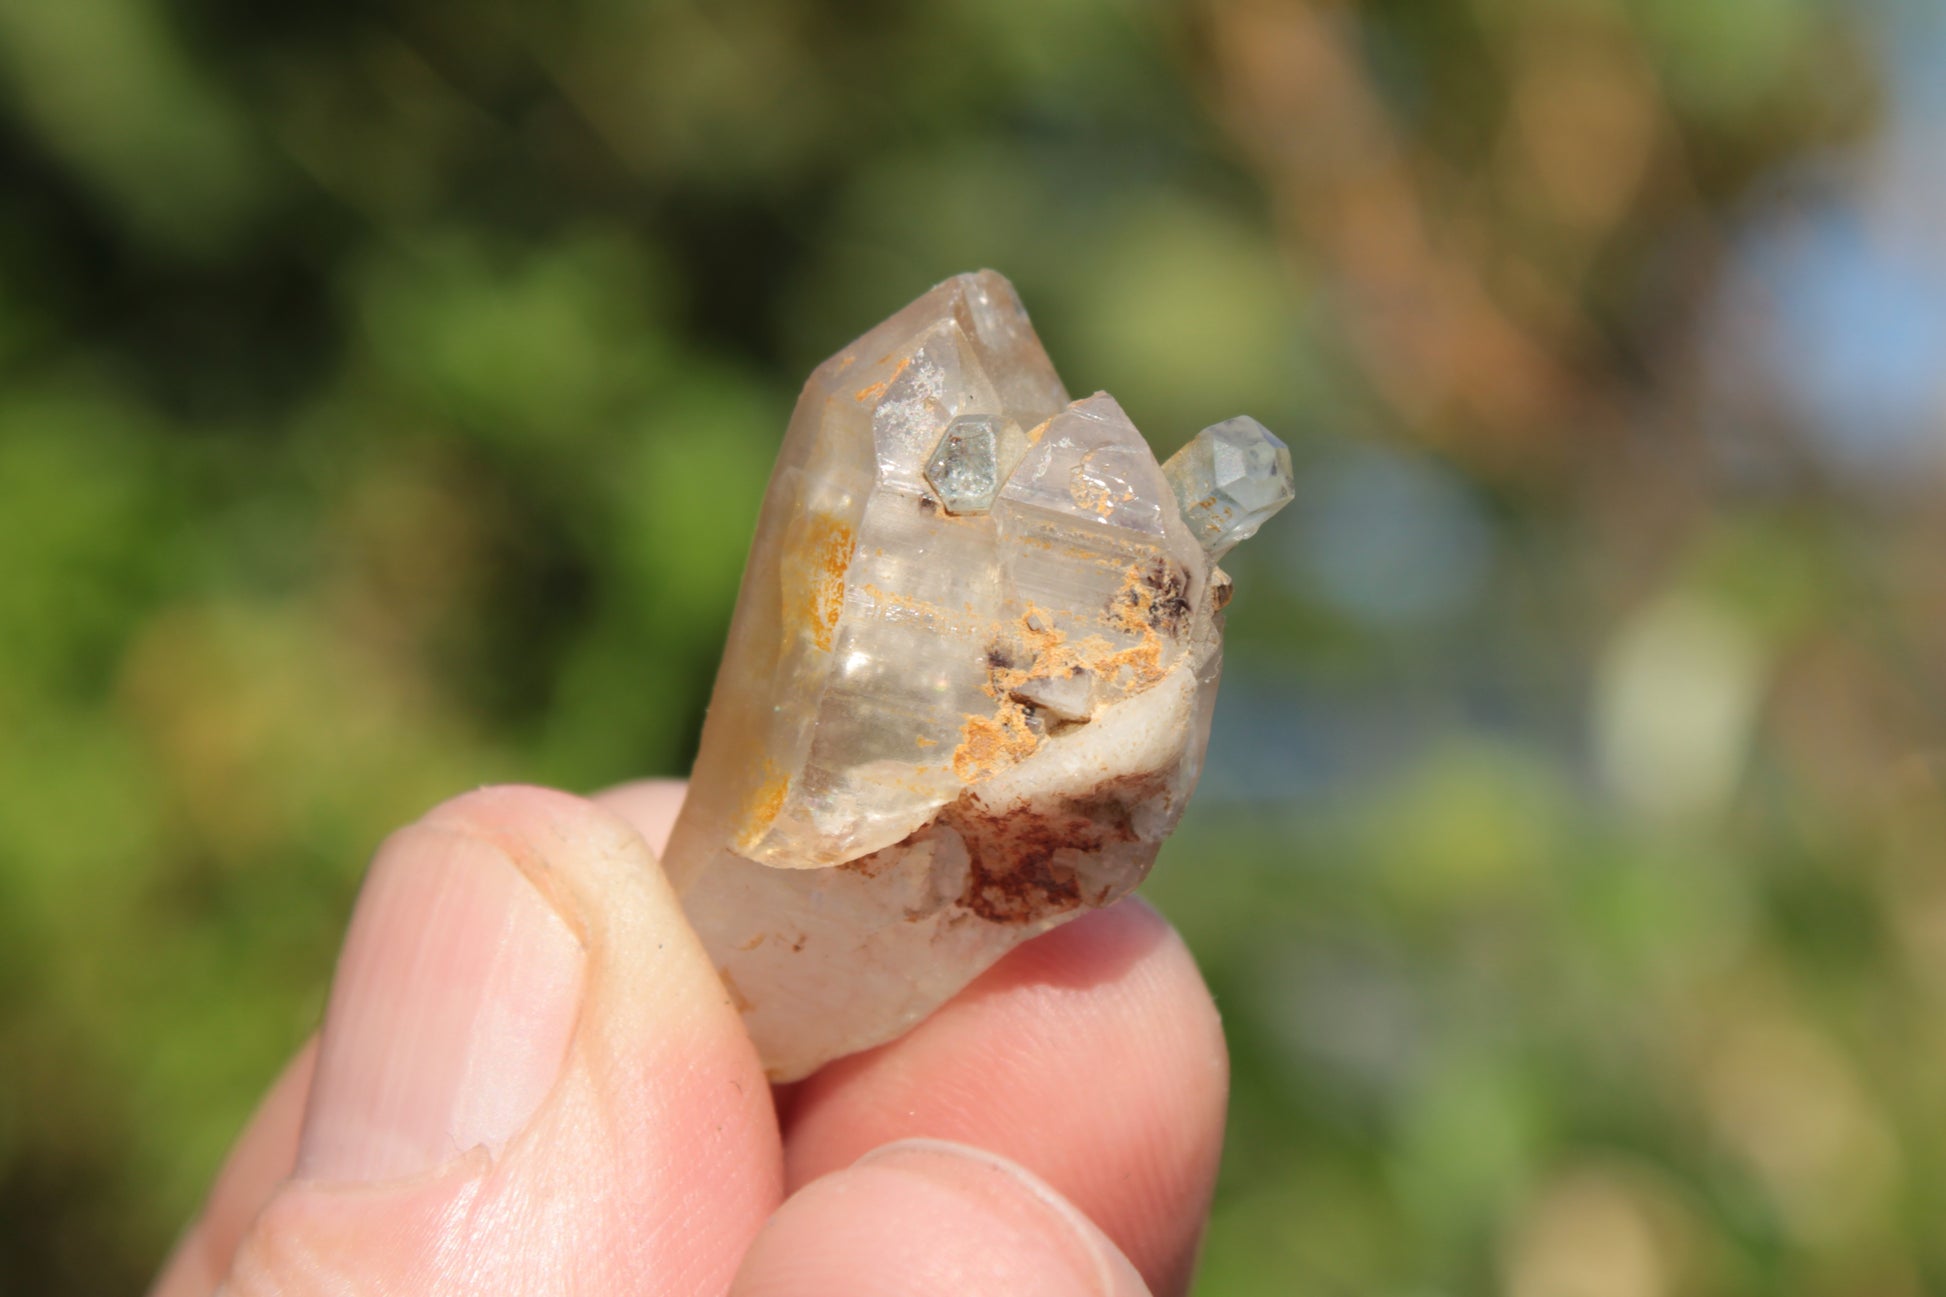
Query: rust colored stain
{"x": 1013, "y": 874}
{"x": 873, "y": 391}
{"x": 814, "y": 578}
{"x": 989, "y": 744}
{"x": 1090, "y": 495}
{"x": 763, "y": 805}
{"x": 1034, "y": 647}
{"x": 737, "y": 997}
{"x": 1154, "y": 597}
{"x": 1143, "y": 662}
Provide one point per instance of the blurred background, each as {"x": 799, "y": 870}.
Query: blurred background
{"x": 386, "y": 392}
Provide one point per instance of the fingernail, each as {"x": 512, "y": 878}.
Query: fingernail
{"x": 449, "y": 1017}
{"x": 1008, "y": 1188}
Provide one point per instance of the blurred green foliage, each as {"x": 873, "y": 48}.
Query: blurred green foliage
{"x": 386, "y": 392}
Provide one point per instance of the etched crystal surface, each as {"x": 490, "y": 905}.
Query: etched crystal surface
{"x": 1228, "y": 480}
{"x": 968, "y": 683}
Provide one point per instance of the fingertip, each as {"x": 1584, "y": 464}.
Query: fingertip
{"x": 457, "y": 992}
{"x": 651, "y": 805}
{"x": 1093, "y": 1055}
{"x": 936, "y": 1217}
{"x": 589, "y": 860}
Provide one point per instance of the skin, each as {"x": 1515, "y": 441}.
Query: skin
{"x": 581, "y": 1111}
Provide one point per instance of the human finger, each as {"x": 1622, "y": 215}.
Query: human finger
{"x": 1091, "y": 1055}
{"x": 261, "y": 1158}
{"x": 528, "y": 1080}
{"x": 648, "y": 804}
{"x": 937, "y": 1218}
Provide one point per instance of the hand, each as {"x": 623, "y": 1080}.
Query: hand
{"x": 529, "y": 1080}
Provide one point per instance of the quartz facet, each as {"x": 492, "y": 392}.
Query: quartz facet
{"x": 968, "y": 684}
{"x": 1228, "y": 480}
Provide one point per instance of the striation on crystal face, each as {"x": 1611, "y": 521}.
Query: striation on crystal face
{"x": 969, "y": 679}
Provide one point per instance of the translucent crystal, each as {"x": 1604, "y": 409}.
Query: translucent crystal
{"x": 1067, "y": 695}
{"x": 975, "y": 455}
{"x": 1228, "y": 480}
{"x": 967, "y": 687}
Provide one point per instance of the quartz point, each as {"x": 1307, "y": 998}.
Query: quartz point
{"x": 1229, "y": 479}
{"x": 969, "y": 679}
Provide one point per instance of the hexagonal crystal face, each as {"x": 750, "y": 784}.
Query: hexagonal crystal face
{"x": 975, "y": 456}
{"x": 1228, "y": 480}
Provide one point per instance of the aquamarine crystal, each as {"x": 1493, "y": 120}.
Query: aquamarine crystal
{"x": 1228, "y": 480}
{"x": 974, "y": 457}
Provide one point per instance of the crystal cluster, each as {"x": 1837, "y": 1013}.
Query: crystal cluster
{"x": 969, "y": 680}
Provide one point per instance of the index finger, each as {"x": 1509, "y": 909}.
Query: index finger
{"x": 1091, "y": 1055}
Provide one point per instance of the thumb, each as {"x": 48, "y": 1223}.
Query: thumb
{"x": 529, "y": 1078}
